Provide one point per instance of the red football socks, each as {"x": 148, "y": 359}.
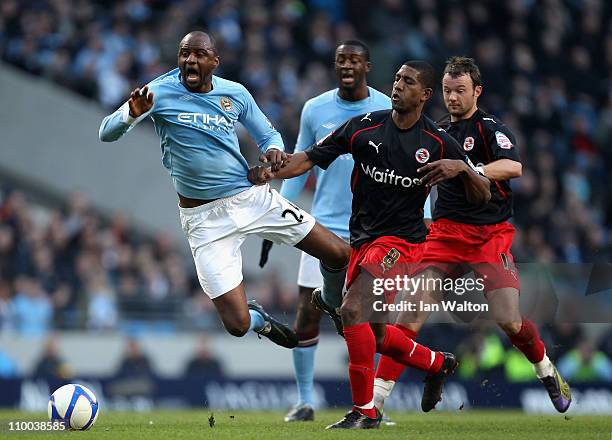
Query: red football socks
{"x": 361, "y": 345}
{"x": 406, "y": 351}
{"x": 387, "y": 368}
{"x": 529, "y": 342}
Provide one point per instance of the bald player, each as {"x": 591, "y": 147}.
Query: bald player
{"x": 195, "y": 114}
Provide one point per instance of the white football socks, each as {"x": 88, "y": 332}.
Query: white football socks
{"x": 544, "y": 368}
{"x": 369, "y": 405}
{"x": 382, "y": 390}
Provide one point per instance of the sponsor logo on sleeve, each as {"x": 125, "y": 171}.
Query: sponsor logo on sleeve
{"x": 503, "y": 141}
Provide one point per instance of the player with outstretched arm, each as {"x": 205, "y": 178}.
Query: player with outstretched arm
{"x": 194, "y": 113}
{"x": 399, "y": 154}
{"x": 331, "y": 205}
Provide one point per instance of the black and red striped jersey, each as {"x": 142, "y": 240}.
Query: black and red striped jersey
{"x": 388, "y": 197}
{"x": 485, "y": 139}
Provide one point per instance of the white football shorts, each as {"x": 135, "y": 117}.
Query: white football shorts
{"x": 309, "y": 273}
{"x": 216, "y": 230}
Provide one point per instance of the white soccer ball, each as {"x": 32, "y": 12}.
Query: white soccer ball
{"x": 75, "y": 404}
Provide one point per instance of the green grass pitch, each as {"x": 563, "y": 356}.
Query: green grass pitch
{"x": 458, "y": 425}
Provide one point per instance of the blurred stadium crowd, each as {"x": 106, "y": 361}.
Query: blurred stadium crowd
{"x": 66, "y": 268}
{"x": 546, "y": 68}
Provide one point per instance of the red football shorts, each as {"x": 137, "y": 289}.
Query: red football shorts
{"x": 485, "y": 249}
{"x": 384, "y": 257}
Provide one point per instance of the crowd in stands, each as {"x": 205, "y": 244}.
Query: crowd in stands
{"x": 546, "y": 68}
{"x": 67, "y": 268}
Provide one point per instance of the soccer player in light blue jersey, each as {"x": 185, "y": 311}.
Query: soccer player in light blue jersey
{"x": 195, "y": 113}
{"x": 332, "y": 200}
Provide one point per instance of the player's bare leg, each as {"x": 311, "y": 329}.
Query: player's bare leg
{"x": 308, "y": 317}
{"x": 326, "y": 246}
{"x": 239, "y": 317}
{"x": 333, "y": 254}
{"x": 504, "y": 303}
{"x": 307, "y": 322}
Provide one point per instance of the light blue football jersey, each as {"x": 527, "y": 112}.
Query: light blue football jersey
{"x": 321, "y": 115}
{"x": 197, "y": 134}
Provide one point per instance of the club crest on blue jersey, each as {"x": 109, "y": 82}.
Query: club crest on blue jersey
{"x": 226, "y": 104}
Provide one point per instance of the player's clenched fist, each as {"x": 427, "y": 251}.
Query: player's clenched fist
{"x": 141, "y": 101}
{"x": 275, "y": 157}
{"x": 259, "y": 175}
{"x": 441, "y": 170}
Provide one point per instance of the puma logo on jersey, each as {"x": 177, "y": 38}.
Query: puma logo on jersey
{"x": 374, "y": 145}
{"x": 366, "y": 117}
